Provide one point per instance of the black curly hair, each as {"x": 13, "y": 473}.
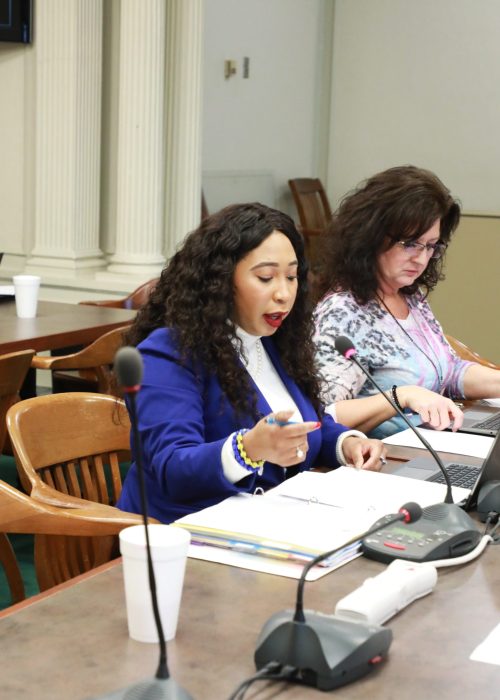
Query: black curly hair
{"x": 400, "y": 203}
{"x": 195, "y": 296}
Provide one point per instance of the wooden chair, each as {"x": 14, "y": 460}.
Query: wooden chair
{"x": 467, "y": 354}
{"x": 68, "y": 449}
{"x": 91, "y": 368}
{"x": 312, "y": 205}
{"x": 134, "y": 300}
{"x": 13, "y": 370}
{"x": 20, "y": 513}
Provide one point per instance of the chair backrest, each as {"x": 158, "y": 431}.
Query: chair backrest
{"x": 13, "y": 370}
{"x": 59, "y": 533}
{"x": 73, "y": 443}
{"x": 134, "y": 300}
{"x": 97, "y": 358}
{"x": 312, "y": 204}
{"x": 467, "y": 354}
{"x": 69, "y": 447}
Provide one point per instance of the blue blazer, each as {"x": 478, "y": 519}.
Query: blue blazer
{"x": 184, "y": 420}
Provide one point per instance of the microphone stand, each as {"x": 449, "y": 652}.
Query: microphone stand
{"x": 350, "y": 354}
{"x": 326, "y": 651}
{"x": 448, "y": 516}
{"x": 128, "y": 368}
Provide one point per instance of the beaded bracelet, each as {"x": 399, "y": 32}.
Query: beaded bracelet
{"x": 241, "y": 456}
{"x": 395, "y": 397}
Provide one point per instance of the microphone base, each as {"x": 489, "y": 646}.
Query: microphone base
{"x": 151, "y": 689}
{"x": 326, "y": 651}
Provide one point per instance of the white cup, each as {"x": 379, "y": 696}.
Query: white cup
{"x": 26, "y": 290}
{"x": 169, "y": 548}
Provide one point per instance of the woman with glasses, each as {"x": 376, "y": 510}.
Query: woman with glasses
{"x": 383, "y": 255}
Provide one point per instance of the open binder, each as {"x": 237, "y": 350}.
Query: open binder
{"x": 304, "y": 516}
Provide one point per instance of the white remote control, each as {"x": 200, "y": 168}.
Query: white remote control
{"x": 382, "y": 596}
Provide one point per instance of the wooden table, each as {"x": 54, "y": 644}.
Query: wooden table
{"x": 57, "y": 325}
{"x": 72, "y": 641}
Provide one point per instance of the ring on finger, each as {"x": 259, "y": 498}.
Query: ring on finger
{"x": 383, "y": 461}
{"x": 299, "y": 452}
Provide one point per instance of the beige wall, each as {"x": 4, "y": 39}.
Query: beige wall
{"x": 467, "y": 302}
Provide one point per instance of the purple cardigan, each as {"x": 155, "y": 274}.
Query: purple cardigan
{"x": 184, "y": 420}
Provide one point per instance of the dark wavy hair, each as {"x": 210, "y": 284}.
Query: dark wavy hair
{"x": 195, "y": 296}
{"x": 401, "y": 203}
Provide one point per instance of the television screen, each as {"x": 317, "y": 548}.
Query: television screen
{"x": 16, "y": 20}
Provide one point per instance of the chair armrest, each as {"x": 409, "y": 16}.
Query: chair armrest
{"x": 20, "y": 513}
{"x": 42, "y": 361}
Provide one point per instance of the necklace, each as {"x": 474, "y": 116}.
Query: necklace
{"x": 255, "y": 360}
{"x": 260, "y": 362}
{"x": 437, "y": 364}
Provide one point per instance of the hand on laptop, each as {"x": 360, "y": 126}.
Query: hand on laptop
{"x": 436, "y": 411}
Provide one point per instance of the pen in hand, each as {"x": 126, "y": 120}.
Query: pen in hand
{"x": 271, "y": 420}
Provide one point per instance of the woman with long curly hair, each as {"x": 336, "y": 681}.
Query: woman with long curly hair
{"x": 383, "y": 254}
{"x": 230, "y": 399}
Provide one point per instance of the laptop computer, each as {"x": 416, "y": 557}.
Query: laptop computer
{"x": 461, "y": 473}
{"x": 481, "y": 420}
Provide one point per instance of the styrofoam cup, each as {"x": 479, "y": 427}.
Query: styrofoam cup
{"x": 26, "y": 291}
{"x": 169, "y": 548}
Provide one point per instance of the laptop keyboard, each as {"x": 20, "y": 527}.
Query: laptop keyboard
{"x": 491, "y": 423}
{"x": 462, "y": 475}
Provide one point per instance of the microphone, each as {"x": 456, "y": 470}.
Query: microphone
{"x": 326, "y": 651}
{"x": 128, "y": 368}
{"x": 457, "y": 532}
{"x": 345, "y": 347}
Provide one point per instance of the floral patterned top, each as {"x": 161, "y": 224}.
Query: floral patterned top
{"x": 396, "y": 352}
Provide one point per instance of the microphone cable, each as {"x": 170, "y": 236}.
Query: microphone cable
{"x": 272, "y": 671}
{"x": 465, "y": 558}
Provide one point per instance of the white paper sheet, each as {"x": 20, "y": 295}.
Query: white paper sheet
{"x": 444, "y": 441}
{"x": 493, "y": 402}
{"x": 364, "y": 492}
{"x": 489, "y": 650}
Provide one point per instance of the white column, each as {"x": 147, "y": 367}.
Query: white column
{"x": 140, "y": 144}
{"x": 68, "y": 75}
{"x": 183, "y": 137}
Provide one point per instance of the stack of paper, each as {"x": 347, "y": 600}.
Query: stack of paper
{"x": 305, "y": 516}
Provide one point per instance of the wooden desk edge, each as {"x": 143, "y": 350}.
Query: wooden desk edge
{"x": 32, "y": 600}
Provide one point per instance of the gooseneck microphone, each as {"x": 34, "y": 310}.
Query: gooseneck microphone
{"x": 324, "y": 650}
{"x": 128, "y": 368}
{"x": 345, "y": 347}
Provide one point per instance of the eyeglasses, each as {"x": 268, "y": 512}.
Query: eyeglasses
{"x": 433, "y": 250}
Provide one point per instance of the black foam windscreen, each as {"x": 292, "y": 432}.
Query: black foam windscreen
{"x": 343, "y": 344}
{"x": 128, "y": 367}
